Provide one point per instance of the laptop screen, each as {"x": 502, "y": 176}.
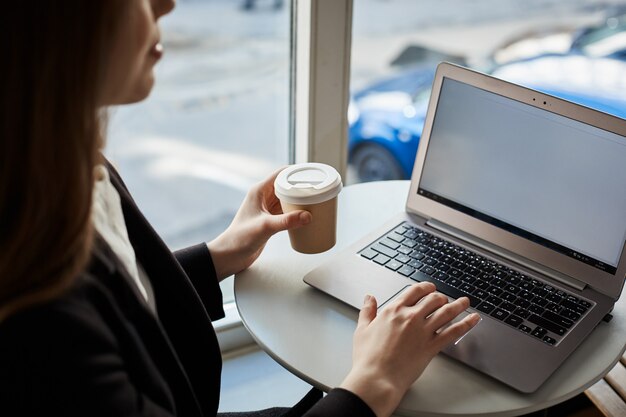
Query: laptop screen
{"x": 548, "y": 178}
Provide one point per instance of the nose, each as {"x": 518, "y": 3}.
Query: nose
{"x": 162, "y": 7}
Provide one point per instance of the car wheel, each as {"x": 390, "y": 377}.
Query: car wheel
{"x": 375, "y": 163}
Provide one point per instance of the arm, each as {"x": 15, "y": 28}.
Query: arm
{"x": 198, "y": 264}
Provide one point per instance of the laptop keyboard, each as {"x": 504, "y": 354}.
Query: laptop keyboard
{"x": 527, "y": 304}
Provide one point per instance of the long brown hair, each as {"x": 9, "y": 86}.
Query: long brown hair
{"x": 54, "y": 55}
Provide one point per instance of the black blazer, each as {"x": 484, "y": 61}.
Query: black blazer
{"x": 99, "y": 351}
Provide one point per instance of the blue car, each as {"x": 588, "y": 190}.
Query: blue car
{"x": 386, "y": 119}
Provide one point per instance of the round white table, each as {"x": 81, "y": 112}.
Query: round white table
{"x": 310, "y": 333}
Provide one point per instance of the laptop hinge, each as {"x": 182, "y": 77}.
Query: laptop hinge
{"x": 527, "y": 263}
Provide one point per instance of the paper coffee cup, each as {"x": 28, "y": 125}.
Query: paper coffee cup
{"x": 312, "y": 187}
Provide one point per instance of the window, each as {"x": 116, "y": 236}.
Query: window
{"x": 574, "y": 50}
{"x": 216, "y": 122}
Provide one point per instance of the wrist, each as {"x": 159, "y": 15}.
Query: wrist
{"x": 380, "y": 395}
{"x": 220, "y": 256}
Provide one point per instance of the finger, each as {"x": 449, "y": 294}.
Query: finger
{"x": 414, "y": 293}
{"x": 455, "y": 331}
{"x": 447, "y": 313}
{"x": 430, "y": 303}
{"x": 368, "y": 312}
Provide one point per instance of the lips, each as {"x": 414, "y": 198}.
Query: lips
{"x": 157, "y": 50}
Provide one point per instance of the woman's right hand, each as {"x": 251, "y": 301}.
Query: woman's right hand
{"x": 392, "y": 349}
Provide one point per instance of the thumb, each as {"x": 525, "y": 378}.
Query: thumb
{"x": 368, "y": 311}
{"x": 291, "y": 220}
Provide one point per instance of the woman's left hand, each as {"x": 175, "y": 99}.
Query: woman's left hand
{"x": 259, "y": 217}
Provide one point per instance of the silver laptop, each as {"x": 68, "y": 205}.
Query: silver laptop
{"x": 518, "y": 201}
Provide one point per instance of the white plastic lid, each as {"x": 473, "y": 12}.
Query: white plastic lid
{"x": 309, "y": 183}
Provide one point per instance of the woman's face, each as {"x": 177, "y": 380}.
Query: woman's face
{"x": 135, "y": 50}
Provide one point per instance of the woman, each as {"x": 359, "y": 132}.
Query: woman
{"x": 97, "y": 316}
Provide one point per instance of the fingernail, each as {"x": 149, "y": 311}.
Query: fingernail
{"x": 367, "y": 299}
{"x": 305, "y": 217}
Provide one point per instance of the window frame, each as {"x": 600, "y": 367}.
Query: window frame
{"x": 321, "y": 36}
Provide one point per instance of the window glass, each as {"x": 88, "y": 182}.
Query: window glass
{"x": 216, "y": 121}
{"x": 574, "y": 50}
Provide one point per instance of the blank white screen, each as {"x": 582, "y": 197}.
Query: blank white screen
{"x": 554, "y": 177}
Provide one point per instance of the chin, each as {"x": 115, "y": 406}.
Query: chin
{"x": 141, "y": 92}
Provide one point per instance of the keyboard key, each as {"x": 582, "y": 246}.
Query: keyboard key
{"x": 446, "y": 259}
{"x": 495, "y": 290}
{"x": 407, "y": 271}
{"x": 492, "y": 299}
{"x": 511, "y": 288}
{"x": 524, "y": 328}
{"x": 526, "y": 286}
{"x": 409, "y": 243}
{"x": 472, "y": 271}
{"x": 483, "y": 285}
{"x": 537, "y": 284}
{"x": 526, "y": 295}
{"x": 584, "y": 303}
{"x": 404, "y": 250}
{"x": 574, "y": 306}
{"x": 520, "y": 302}
{"x": 381, "y": 259}
{"x": 522, "y": 312}
{"x": 455, "y": 282}
{"x": 555, "y": 308}
{"x": 549, "y": 340}
{"x": 414, "y": 263}
{"x": 390, "y": 243}
{"x": 514, "y": 320}
{"x": 417, "y": 255}
{"x": 455, "y": 273}
{"x": 539, "y": 332}
{"x": 411, "y": 234}
{"x": 403, "y": 258}
{"x": 534, "y": 308}
{"x": 555, "y": 298}
{"x": 485, "y": 307}
{"x": 369, "y": 253}
{"x": 428, "y": 270}
{"x": 468, "y": 288}
{"x": 500, "y": 314}
{"x": 498, "y": 283}
{"x": 394, "y": 265}
{"x": 434, "y": 254}
{"x": 547, "y": 324}
{"x": 442, "y": 267}
{"x": 384, "y": 250}
{"x": 429, "y": 261}
{"x": 560, "y": 320}
{"x": 441, "y": 276}
{"x": 508, "y": 297}
{"x": 501, "y": 274}
{"x": 396, "y": 237}
{"x": 508, "y": 306}
{"x": 400, "y": 229}
{"x": 542, "y": 302}
{"x": 459, "y": 265}
{"x": 514, "y": 280}
{"x": 569, "y": 314}
{"x": 481, "y": 294}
